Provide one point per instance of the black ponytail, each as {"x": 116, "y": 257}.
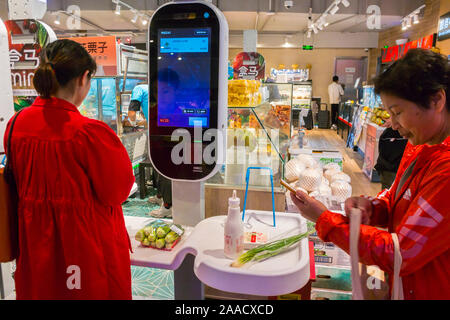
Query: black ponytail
{"x": 60, "y": 62}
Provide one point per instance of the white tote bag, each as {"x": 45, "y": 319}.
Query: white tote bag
{"x": 360, "y": 289}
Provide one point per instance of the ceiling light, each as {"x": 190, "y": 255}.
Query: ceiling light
{"x": 416, "y": 19}
{"x": 309, "y": 33}
{"x": 334, "y": 10}
{"x": 57, "y": 20}
{"x": 135, "y": 17}
{"x": 117, "y": 9}
{"x": 144, "y": 21}
{"x": 404, "y": 24}
{"x": 314, "y": 29}
{"x": 345, "y": 3}
{"x": 408, "y": 22}
{"x": 320, "y": 26}
{"x": 326, "y": 24}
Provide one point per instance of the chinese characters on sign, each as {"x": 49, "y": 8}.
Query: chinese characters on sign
{"x": 103, "y": 50}
{"x": 394, "y": 53}
{"x": 249, "y": 66}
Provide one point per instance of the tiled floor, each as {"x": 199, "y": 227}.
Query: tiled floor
{"x": 148, "y": 283}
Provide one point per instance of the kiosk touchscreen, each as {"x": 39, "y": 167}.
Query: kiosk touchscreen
{"x": 188, "y": 54}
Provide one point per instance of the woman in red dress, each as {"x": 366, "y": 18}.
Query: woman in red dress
{"x": 72, "y": 175}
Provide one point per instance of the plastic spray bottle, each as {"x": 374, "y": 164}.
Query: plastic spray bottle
{"x": 234, "y": 229}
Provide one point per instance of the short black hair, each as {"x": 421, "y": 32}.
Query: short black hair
{"x": 416, "y": 77}
{"x": 335, "y": 78}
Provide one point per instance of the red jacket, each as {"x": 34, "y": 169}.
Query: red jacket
{"x": 419, "y": 215}
{"x": 72, "y": 174}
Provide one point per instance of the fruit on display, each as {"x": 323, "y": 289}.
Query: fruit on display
{"x": 278, "y": 117}
{"x": 330, "y": 173}
{"x": 341, "y": 190}
{"x": 234, "y": 120}
{"x": 242, "y": 137}
{"x": 332, "y": 165}
{"x": 379, "y": 116}
{"x": 159, "y": 235}
{"x": 308, "y": 160}
{"x": 293, "y": 169}
{"x": 341, "y": 176}
{"x": 244, "y": 93}
{"x": 310, "y": 179}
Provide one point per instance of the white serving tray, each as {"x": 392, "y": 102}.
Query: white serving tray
{"x": 278, "y": 275}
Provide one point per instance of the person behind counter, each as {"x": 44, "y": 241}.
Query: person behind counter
{"x": 72, "y": 175}
{"x": 139, "y": 102}
{"x": 415, "y": 92}
{"x": 335, "y": 91}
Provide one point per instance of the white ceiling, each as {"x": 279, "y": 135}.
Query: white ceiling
{"x": 105, "y": 22}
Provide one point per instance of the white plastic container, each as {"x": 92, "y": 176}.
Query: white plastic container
{"x": 233, "y": 229}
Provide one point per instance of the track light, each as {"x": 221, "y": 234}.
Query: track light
{"x": 404, "y": 25}
{"x": 314, "y": 29}
{"x": 117, "y": 9}
{"x": 135, "y": 17}
{"x": 57, "y": 20}
{"x": 334, "y": 10}
{"x": 144, "y": 21}
{"x": 416, "y": 19}
{"x": 345, "y": 3}
{"x": 309, "y": 33}
{"x": 408, "y": 22}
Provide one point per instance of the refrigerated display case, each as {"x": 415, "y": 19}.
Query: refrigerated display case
{"x": 302, "y": 95}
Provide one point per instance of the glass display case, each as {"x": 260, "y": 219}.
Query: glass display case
{"x": 302, "y": 95}
{"x": 258, "y": 137}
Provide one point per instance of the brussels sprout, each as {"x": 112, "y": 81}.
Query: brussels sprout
{"x": 160, "y": 243}
{"x": 145, "y": 242}
{"x": 148, "y": 230}
{"x": 153, "y": 244}
{"x": 140, "y": 235}
{"x": 161, "y": 232}
{"x": 172, "y": 236}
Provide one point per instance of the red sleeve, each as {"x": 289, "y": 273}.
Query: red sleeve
{"x": 106, "y": 162}
{"x": 423, "y": 233}
{"x": 381, "y": 209}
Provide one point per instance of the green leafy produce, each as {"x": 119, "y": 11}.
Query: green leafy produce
{"x": 153, "y": 244}
{"x": 172, "y": 236}
{"x": 268, "y": 250}
{"x": 161, "y": 232}
{"x": 140, "y": 235}
{"x": 160, "y": 243}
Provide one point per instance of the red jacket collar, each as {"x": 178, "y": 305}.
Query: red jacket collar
{"x": 55, "y": 103}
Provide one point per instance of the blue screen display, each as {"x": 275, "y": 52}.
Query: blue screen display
{"x": 184, "y": 74}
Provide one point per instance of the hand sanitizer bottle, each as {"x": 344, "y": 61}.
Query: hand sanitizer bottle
{"x": 234, "y": 229}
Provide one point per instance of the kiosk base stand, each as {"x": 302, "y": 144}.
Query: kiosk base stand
{"x": 188, "y": 209}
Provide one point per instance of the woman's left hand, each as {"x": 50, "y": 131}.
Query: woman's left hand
{"x": 309, "y": 207}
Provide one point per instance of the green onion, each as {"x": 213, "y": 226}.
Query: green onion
{"x": 268, "y": 250}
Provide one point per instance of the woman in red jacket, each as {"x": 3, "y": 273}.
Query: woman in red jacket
{"x": 415, "y": 92}
{"x": 72, "y": 175}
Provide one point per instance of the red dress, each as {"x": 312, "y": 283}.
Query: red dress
{"x": 419, "y": 214}
{"x": 73, "y": 174}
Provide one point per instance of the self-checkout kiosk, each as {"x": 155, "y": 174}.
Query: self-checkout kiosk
{"x": 188, "y": 54}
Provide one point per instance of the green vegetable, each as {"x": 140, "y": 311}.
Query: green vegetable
{"x": 160, "y": 243}
{"x": 171, "y": 237}
{"x": 161, "y": 232}
{"x": 170, "y": 245}
{"x": 268, "y": 250}
{"x": 145, "y": 242}
{"x": 150, "y": 232}
{"x": 153, "y": 244}
{"x": 140, "y": 235}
